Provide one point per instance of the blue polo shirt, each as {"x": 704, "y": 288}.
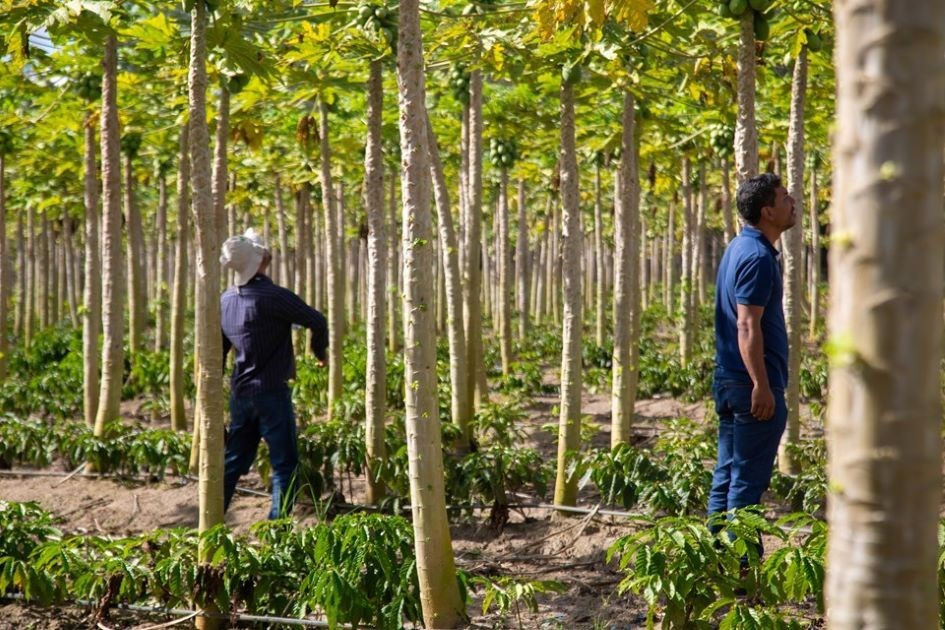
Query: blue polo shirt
{"x": 750, "y": 274}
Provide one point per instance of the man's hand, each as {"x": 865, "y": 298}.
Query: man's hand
{"x": 762, "y": 402}
{"x": 321, "y": 362}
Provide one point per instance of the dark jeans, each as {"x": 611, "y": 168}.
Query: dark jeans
{"x": 270, "y": 417}
{"x": 747, "y": 446}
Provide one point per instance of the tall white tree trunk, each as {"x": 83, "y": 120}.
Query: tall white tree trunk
{"x": 727, "y": 213}
{"x": 626, "y": 283}
{"x": 746, "y": 131}
{"x": 472, "y": 275}
{"x": 181, "y": 277}
{"x": 113, "y": 285}
{"x": 598, "y": 260}
{"x": 569, "y": 424}
{"x": 792, "y": 249}
{"x": 522, "y": 268}
{"x": 4, "y": 268}
{"x": 375, "y": 394}
{"x": 160, "y": 267}
{"x": 393, "y": 268}
{"x": 669, "y": 276}
{"x": 698, "y": 243}
{"x": 886, "y": 279}
{"x": 333, "y": 255}
{"x": 504, "y": 262}
{"x": 285, "y": 278}
{"x": 209, "y": 350}
{"x": 439, "y": 589}
{"x": 92, "y": 314}
{"x": 460, "y": 403}
{"x": 137, "y": 292}
{"x": 814, "y": 276}
{"x": 685, "y": 286}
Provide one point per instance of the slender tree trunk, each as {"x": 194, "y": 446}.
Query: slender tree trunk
{"x": 284, "y": 277}
{"x": 504, "y": 263}
{"x": 43, "y": 293}
{"x": 554, "y": 299}
{"x": 746, "y": 131}
{"x": 31, "y": 281}
{"x": 521, "y": 264}
{"x": 113, "y": 285}
{"x": 669, "y": 277}
{"x": 472, "y": 274}
{"x": 439, "y": 590}
{"x": 4, "y": 270}
{"x": 393, "y": 268}
{"x": 699, "y": 246}
{"x": 727, "y": 214}
{"x": 181, "y": 275}
{"x": 569, "y": 427}
{"x": 137, "y": 296}
{"x": 460, "y": 403}
{"x": 160, "y": 267}
{"x": 375, "y": 394}
{"x": 626, "y": 283}
{"x": 792, "y": 249}
{"x": 209, "y": 351}
{"x": 814, "y": 279}
{"x": 72, "y": 280}
{"x": 685, "y": 293}
{"x": 464, "y": 175}
{"x": 598, "y": 261}
{"x": 220, "y": 177}
{"x": 884, "y": 414}
{"x": 22, "y": 278}
{"x": 59, "y": 251}
{"x": 333, "y": 256}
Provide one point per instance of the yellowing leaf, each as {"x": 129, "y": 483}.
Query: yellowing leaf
{"x": 595, "y": 11}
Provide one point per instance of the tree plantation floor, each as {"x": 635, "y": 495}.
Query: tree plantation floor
{"x": 534, "y": 545}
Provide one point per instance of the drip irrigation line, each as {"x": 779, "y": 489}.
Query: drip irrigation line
{"x": 184, "y": 612}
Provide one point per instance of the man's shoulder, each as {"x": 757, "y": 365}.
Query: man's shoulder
{"x": 747, "y": 250}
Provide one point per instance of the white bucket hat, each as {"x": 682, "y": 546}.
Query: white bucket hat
{"x": 243, "y": 254}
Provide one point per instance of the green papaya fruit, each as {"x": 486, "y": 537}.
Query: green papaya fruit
{"x": 380, "y": 13}
{"x": 762, "y": 27}
{"x": 365, "y": 12}
{"x": 759, "y": 5}
{"x": 724, "y": 11}
{"x": 814, "y": 43}
{"x": 738, "y": 7}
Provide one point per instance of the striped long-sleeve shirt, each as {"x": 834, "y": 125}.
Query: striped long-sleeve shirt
{"x": 257, "y": 319}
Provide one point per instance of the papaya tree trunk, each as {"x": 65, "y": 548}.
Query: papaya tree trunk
{"x": 460, "y": 404}
{"x": 181, "y": 277}
{"x": 209, "y": 351}
{"x": 522, "y": 268}
{"x": 698, "y": 242}
{"x": 599, "y": 261}
{"x": 436, "y": 571}
{"x": 886, "y": 279}
{"x": 160, "y": 267}
{"x": 285, "y": 278}
{"x": 792, "y": 249}
{"x": 669, "y": 247}
{"x": 472, "y": 274}
{"x": 333, "y": 257}
{"x": 626, "y": 283}
{"x": 504, "y": 264}
{"x": 814, "y": 276}
{"x": 113, "y": 285}
{"x": 685, "y": 286}
{"x": 393, "y": 270}
{"x": 21, "y": 279}
{"x": 569, "y": 424}
{"x": 137, "y": 296}
{"x": 746, "y": 131}
{"x": 727, "y": 214}
{"x": 92, "y": 315}
{"x": 375, "y": 394}
{"x": 4, "y": 269}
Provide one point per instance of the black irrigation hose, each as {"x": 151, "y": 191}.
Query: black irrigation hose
{"x": 183, "y": 612}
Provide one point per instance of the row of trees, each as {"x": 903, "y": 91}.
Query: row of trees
{"x": 281, "y": 71}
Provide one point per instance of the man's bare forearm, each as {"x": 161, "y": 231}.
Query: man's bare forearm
{"x": 752, "y": 349}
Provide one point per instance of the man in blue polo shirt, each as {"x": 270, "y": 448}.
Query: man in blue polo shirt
{"x": 751, "y": 347}
{"x": 257, "y": 317}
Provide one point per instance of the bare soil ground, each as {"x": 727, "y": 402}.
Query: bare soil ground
{"x": 534, "y": 545}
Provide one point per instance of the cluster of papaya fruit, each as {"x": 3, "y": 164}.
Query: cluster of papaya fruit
{"x": 502, "y": 152}
{"x": 89, "y": 87}
{"x": 737, "y": 8}
{"x": 459, "y": 83}
{"x": 378, "y": 19}
{"x": 236, "y": 83}
{"x": 722, "y": 138}
{"x": 131, "y": 143}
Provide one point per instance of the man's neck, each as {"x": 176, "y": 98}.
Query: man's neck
{"x": 769, "y": 231}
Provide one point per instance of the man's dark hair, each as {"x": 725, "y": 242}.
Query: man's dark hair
{"x": 756, "y": 193}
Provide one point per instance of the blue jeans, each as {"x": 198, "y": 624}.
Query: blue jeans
{"x": 747, "y": 446}
{"x": 270, "y": 417}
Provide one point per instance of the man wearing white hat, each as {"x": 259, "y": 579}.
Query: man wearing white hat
{"x": 256, "y": 316}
